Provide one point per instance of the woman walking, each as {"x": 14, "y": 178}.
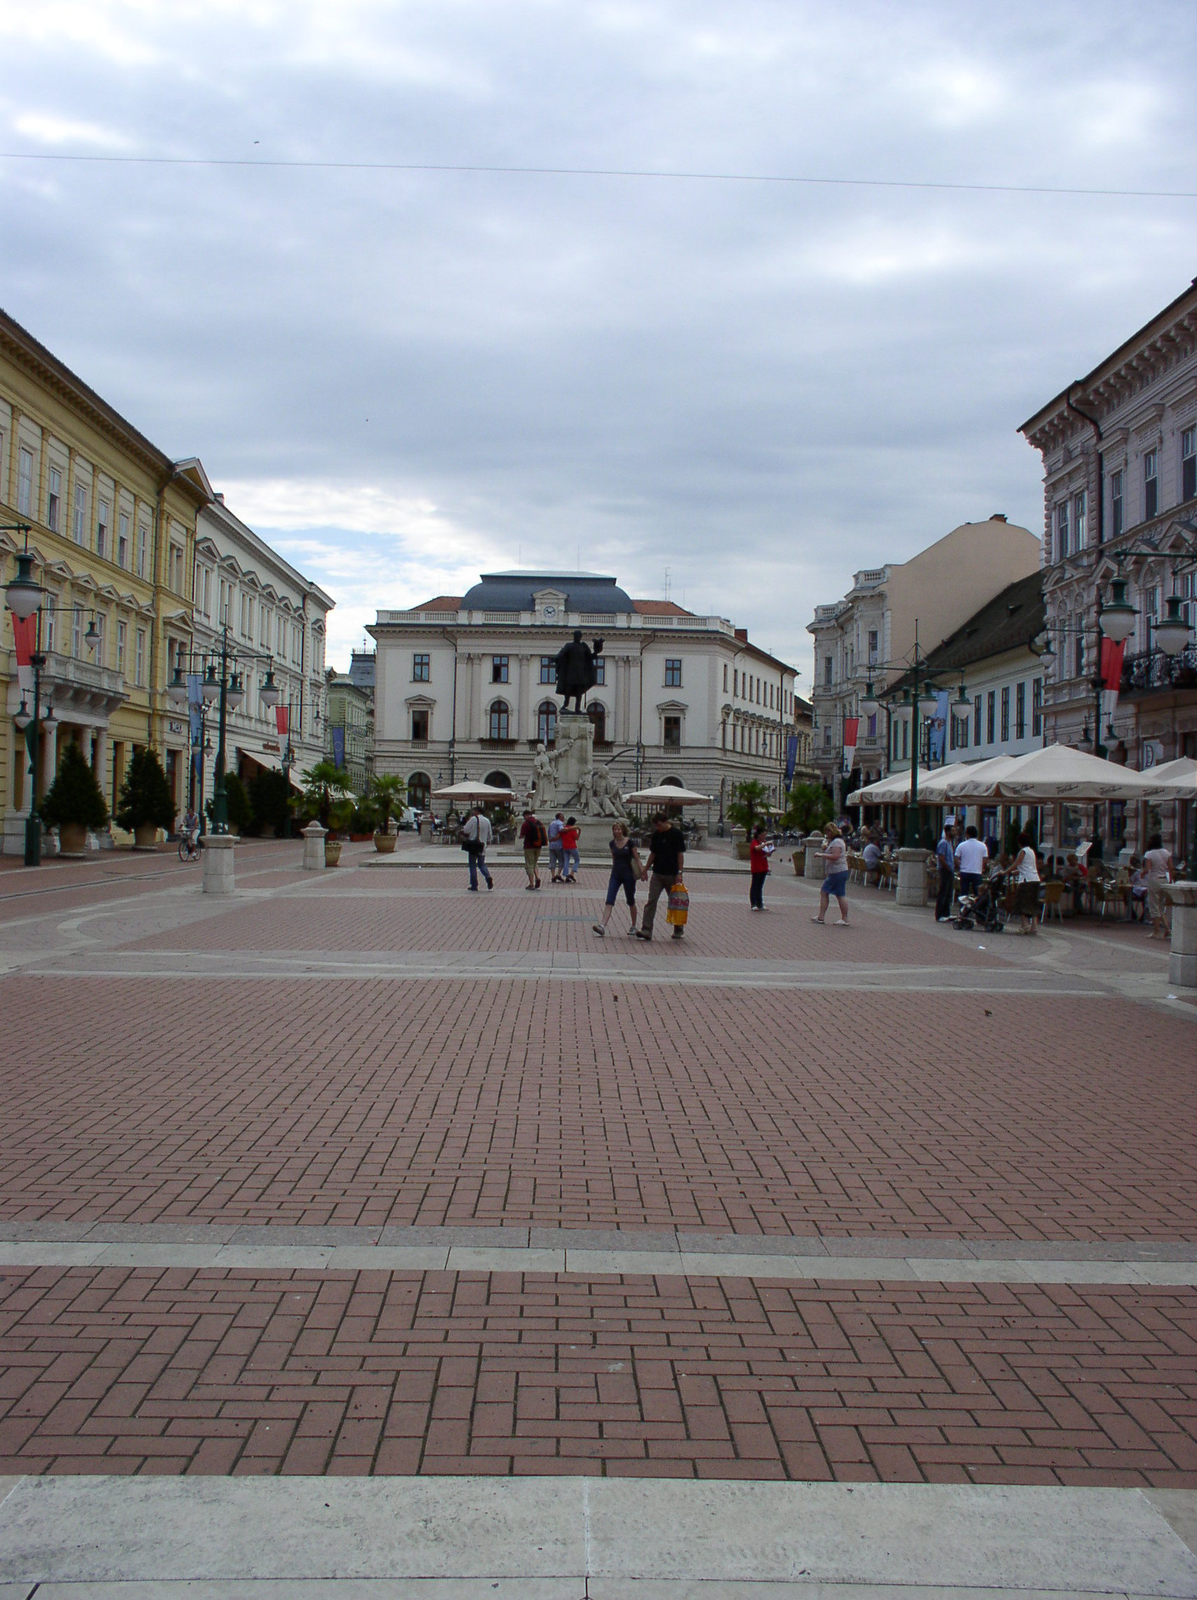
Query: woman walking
{"x": 1025, "y": 873}
{"x": 1157, "y": 863}
{"x": 569, "y": 846}
{"x": 758, "y": 860}
{"x": 625, "y": 869}
{"x": 836, "y": 881}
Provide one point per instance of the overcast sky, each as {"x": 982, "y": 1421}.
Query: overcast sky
{"x": 402, "y": 378}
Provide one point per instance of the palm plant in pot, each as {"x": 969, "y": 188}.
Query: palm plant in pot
{"x": 750, "y": 805}
{"x": 388, "y": 795}
{"x": 74, "y": 802}
{"x": 146, "y": 803}
{"x": 329, "y": 798}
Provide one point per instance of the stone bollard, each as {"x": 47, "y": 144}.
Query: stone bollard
{"x": 313, "y": 847}
{"x": 1182, "y": 963}
{"x": 912, "y": 878}
{"x": 218, "y": 862}
{"x": 815, "y": 867}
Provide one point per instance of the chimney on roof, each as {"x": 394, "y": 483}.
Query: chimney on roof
{"x": 998, "y": 516}
{"x": 742, "y": 635}
{"x": 219, "y": 493}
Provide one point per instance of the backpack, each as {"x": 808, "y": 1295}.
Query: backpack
{"x": 537, "y": 836}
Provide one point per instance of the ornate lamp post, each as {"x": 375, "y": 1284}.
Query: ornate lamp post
{"x": 223, "y": 685}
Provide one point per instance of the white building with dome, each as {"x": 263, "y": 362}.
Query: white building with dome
{"x": 465, "y": 688}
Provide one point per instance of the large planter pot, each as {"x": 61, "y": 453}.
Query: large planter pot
{"x": 799, "y": 859}
{"x": 385, "y": 843}
{"x": 146, "y": 837}
{"x": 332, "y": 852}
{"x": 740, "y": 843}
{"x": 72, "y": 838}
{"x": 268, "y": 831}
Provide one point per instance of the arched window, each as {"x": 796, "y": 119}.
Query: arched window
{"x": 419, "y": 790}
{"x": 597, "y": 712}
{"x": 499, "y": 720}
{"x": 546, "y": 722}
{"x": 672, "y": 783}
{"x": 497, "y": 780}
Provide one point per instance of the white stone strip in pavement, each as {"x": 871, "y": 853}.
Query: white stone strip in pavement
{"x": 578, "y": 1536}
{"x": 431, "y": 1255}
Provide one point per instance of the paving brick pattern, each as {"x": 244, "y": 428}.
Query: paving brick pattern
{"x": 225, "y": 1372}
{"x": 595, "y": 1105}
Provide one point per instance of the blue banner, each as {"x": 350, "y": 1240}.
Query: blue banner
{"x": 791, "y": 759}
{"x": 196, "y": 718}
{"x": 195, "y": 688}
{"x": 338, "y": 736}
{"x": 939, "y": 727}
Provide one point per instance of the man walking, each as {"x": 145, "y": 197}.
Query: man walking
{"x": 946, "y": 859}
{"x": 475, "y": 836}
{"x": 971, "y": 856}
{"x": 667, "y": 853}
{"x": 556, "y": 853}
{"x": 532, "y": 836}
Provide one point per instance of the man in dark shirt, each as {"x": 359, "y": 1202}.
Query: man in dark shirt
{"x": 667, "y": 854}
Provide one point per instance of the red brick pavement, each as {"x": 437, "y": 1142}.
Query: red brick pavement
{"x": 591, "y": 1104}
{"x": 122, "y": 1371}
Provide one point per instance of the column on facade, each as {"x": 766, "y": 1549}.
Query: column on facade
{"x": 101, "y": 759}
{"x": 525, "y": 722}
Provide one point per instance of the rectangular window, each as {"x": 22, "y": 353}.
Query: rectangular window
{"x": 600, "y": 669}
{"x": 1020, "y": 711}
{"x": 828, "y": 671}
{"x": 1037, "y": 708}
{"x": 990, "y": 716}
{"x": 122, "y": 539}
{"x": 499, "y": 671}
{"x": 673, "y": 672}
{"x": 1080, "y": 652}
{"x": 977, "y": 720}
{"x": 25, "y": 482}
{"x": 122, "y": 634}
{"x": 54, "y": 500}
{"x": 872, "y": 647}
{"x": 1061, "y": 530}
{"x": 1188, "y": 464}
{"x": 548, "y": 669}
{"x": 419, "y": 725}
{"x": 1079, "y": 510}
{"x": 725, "y": 677}
{"x": 101, "y": 652}
{"x": 1151, "y": 485}
{"x": 735, "y": 685}
{"x": 905, "y": 740}
{"x": 77, "y": 632}
{"x": 143, "y": 549}
{"x": 264, "y": 628}
{"x": 421, "y": 670}
{"x": 1005, "y": 714}
{"x": 673, "y": 733}
{"x": 1116, "y": 520}
{"x": 80, "y": 513}
{"x": 139, "y": 669}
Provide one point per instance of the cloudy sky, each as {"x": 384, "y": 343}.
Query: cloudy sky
{"x": 404, "y": 377}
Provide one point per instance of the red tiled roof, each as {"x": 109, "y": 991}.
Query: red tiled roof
{"x": 442, "y": 602}
{"x": 659, "y": 608}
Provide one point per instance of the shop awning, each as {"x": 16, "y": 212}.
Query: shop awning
{"x": 1173, "y": 780}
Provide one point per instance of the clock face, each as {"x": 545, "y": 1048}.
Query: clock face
{"x": 550, "y": 611}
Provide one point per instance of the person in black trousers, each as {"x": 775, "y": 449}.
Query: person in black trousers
{"x": 945, "y": 856}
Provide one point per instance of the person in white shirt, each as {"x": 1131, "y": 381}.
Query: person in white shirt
{"x": 971, "y": 858}
{"x": 1026, "y": 882}
{"x": 475, "y": 837}
{"x": 1157, "y": 863}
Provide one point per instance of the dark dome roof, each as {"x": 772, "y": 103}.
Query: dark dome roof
{"x": 513, "y": 591}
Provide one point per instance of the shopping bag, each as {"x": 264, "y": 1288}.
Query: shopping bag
{"x": 679, "y": 905}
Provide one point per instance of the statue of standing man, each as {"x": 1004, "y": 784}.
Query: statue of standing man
{"x": 576, "y": 671}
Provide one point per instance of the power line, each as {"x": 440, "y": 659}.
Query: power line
{"x": 600, "y": 172}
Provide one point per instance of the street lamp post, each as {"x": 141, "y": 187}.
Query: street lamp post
{"x": 226, "y": 690}
{"x": 26, "y": 598}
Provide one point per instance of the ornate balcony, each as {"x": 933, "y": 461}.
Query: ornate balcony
{"x": 1153, "y": 672}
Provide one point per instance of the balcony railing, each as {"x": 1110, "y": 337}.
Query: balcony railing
{"x": 1152, "y": 671}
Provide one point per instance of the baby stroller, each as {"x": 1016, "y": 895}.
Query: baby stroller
{"x": 988, "y": 908}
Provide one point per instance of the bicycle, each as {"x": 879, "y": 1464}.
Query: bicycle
{"x": 189, "y": 848}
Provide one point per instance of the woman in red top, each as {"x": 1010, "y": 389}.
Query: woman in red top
{"x": 758, "y": 859}
{"x": 569, "y": 847}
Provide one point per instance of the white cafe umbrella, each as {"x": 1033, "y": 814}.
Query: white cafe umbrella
{"x": 468, "y": 790}
{"x": 891, "y": 791}
{"x": 664, "y": 794}
{"x": 1061, "y": 773}
{"x": 966, "y": 780}
{"x": 1173, "y": 780}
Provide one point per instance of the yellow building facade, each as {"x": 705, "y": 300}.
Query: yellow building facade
{"x": 112, "y": 532}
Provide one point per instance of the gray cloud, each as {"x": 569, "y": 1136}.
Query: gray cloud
{"x": 760, "y": 387}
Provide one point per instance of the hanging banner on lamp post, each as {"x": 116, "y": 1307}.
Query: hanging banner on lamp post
{"x": 791, "y": 759}
{"x": 851, "y": 730}
{"x": 1112, "y": 652}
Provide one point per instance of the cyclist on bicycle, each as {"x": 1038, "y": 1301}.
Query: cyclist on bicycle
{"x": 190, "y": 828}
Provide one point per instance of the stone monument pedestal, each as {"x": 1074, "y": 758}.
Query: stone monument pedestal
{"x": 313, "y": 847}
{"x": 912, "y": 878}
{"x": 218, "y": 862}
{"x": 1182, "y": 963}
{"x": 815, "y": 866}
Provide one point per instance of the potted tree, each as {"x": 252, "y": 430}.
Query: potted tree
{"x": 387, "y": 796}
{"x": 808, "y": 809}
{"x": 74, "y": 803}
{"x": 146, "y": 803}
{"x": 329, "y": 798}
{"x": 749, "y": 805}
{"x": 270, "y": 798}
